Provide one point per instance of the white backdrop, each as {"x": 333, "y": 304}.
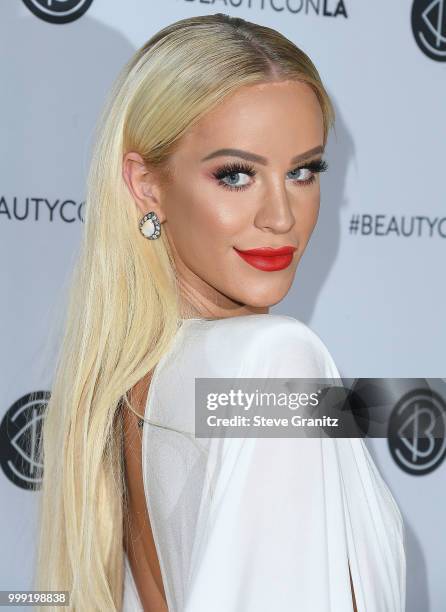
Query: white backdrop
{"x": 372, "y": 282}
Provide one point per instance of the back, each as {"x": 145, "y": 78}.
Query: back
{"x": 143, "y": 582}
{"x": 263, "y": 523}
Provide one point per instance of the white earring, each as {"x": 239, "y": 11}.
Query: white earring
{"x": 150, "y": 226}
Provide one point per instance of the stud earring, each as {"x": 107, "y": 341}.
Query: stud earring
{"x": 150, "y": 226}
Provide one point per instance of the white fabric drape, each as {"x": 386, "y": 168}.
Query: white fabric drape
{"x": 261, "y": 524}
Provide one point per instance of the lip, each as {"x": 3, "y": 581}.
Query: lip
{"x": 268, "y": 259}
{"x": 269, "y": 251}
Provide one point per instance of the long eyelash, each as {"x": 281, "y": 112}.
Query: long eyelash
{"x": 319, "y": 165}
{"x": 315, "y": 166}
{"x": 233, "y": 168}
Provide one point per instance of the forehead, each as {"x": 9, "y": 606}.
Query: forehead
{"x": 286, "y": 111}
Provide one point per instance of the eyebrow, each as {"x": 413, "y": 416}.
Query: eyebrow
{"x": 259, "y": 158}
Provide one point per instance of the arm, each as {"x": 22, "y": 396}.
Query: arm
{"x": 273, "y": 537}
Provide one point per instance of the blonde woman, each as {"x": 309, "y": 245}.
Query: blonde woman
{"x": 202, "y": 196}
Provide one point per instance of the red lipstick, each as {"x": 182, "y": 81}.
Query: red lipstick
{"x": 268, "y": 258}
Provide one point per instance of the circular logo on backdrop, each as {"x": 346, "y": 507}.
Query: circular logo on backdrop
{"x": 20, "y": 432}
{"x": 58, "y": 11}
{"x": 417, "y": 428}
{"x": 429, "y": 27}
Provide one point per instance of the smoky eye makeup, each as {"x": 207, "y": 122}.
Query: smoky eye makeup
{"x": 232, "y": 170}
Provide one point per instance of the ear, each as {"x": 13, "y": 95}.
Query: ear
{"x": 142, "y": 184}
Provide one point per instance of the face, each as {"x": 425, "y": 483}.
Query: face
{"x": 246, "y": 176}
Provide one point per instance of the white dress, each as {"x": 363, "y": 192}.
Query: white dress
{"x": 262, "y": 524}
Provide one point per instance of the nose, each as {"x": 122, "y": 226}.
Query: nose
{"x": 275, "y": 213}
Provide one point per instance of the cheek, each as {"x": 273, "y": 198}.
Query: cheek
{"x": 307, "y": 217}
{"x": 205, "y": 218}
{"x": 309, "y": 209}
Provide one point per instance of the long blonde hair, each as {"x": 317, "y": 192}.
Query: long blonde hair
{"x": 123, "y": 309}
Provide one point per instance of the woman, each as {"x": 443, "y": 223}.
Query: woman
{"x": 210, "y": 146}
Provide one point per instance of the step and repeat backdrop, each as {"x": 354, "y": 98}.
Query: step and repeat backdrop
{"x": 371, "y": 283}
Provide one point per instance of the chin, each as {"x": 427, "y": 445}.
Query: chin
{"x": 263, "y": 299}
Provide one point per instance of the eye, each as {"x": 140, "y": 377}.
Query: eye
{"x": 309, "y": 171}
{"x": 304, "y": 172}
{"x": 234, "y": 176}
